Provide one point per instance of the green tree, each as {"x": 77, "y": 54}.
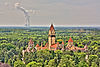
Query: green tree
{"x": 83, "y": 64}
{"x": 34, "y": 64}
{"x": 52, "y": 63}
{"x": 43, "y": 55}
{"x": 94, "y": 64}
{"x": 19, "y": 63}
{"x": 92, "y": 58}
{"x": 66, "y": 63}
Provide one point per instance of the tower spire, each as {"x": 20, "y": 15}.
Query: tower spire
{"x": 51, "y": 36}
{"x": 51, "y": 27}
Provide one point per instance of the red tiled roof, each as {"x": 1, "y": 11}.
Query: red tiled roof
{"x": 51, "y": 27}
{"x": 70, "y": 40}
{"x": 37, "y": 45}
{"x": 31, "y": 42}
{"x": 57, "y": 42}
{"x": 77, "y": 48}
{"x": 62, "y": 42}
{"x": 39, "y": 48}
{"x": 42, "y": 48}
{"x": 54, "y": 46}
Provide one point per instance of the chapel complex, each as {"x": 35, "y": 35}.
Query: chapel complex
{"x": 52, "y": 45}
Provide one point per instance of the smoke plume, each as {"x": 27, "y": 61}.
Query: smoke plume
{"x": 27, "y": 17}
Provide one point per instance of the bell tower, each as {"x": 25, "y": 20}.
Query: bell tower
{"x": 51, "y": 36}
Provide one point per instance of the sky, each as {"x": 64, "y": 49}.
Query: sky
{"x": 58, "y": 12}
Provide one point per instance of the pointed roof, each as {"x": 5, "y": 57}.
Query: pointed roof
{"x": 85, "y": 47}
{"x": 62, "y": 42}
{"x": 51, "y": 27}
{"x": 37, "y": 45}
{"x": 57, "y": 42}
{"x": 31, "y": 42}
{"x": 70, "y": 40}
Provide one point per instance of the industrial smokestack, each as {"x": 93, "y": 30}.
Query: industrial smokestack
{"x": 27, "y": 17}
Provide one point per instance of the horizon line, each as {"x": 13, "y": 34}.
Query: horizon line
{"x": 49, "y": 25}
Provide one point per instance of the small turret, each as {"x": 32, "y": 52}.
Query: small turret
{"x": 51, "y": 27}
{"x": 70, "y": 42}
{"x": 62, "y": 43}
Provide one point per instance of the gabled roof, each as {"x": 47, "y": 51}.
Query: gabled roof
{"x": 51, "y": 27}
{"x": 70, "y": 40}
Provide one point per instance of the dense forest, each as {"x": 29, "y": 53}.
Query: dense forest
{"x": 14, "y": 40}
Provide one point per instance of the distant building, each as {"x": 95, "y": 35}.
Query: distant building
{"x": 71, "y": 46}
{"x": 51, "y": 45}
{"x": 30, "y": 47}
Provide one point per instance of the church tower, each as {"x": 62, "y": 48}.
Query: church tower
{"x": 51, "y": 36}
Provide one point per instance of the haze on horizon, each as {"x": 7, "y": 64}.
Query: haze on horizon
{"x": 58, "y": 12}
